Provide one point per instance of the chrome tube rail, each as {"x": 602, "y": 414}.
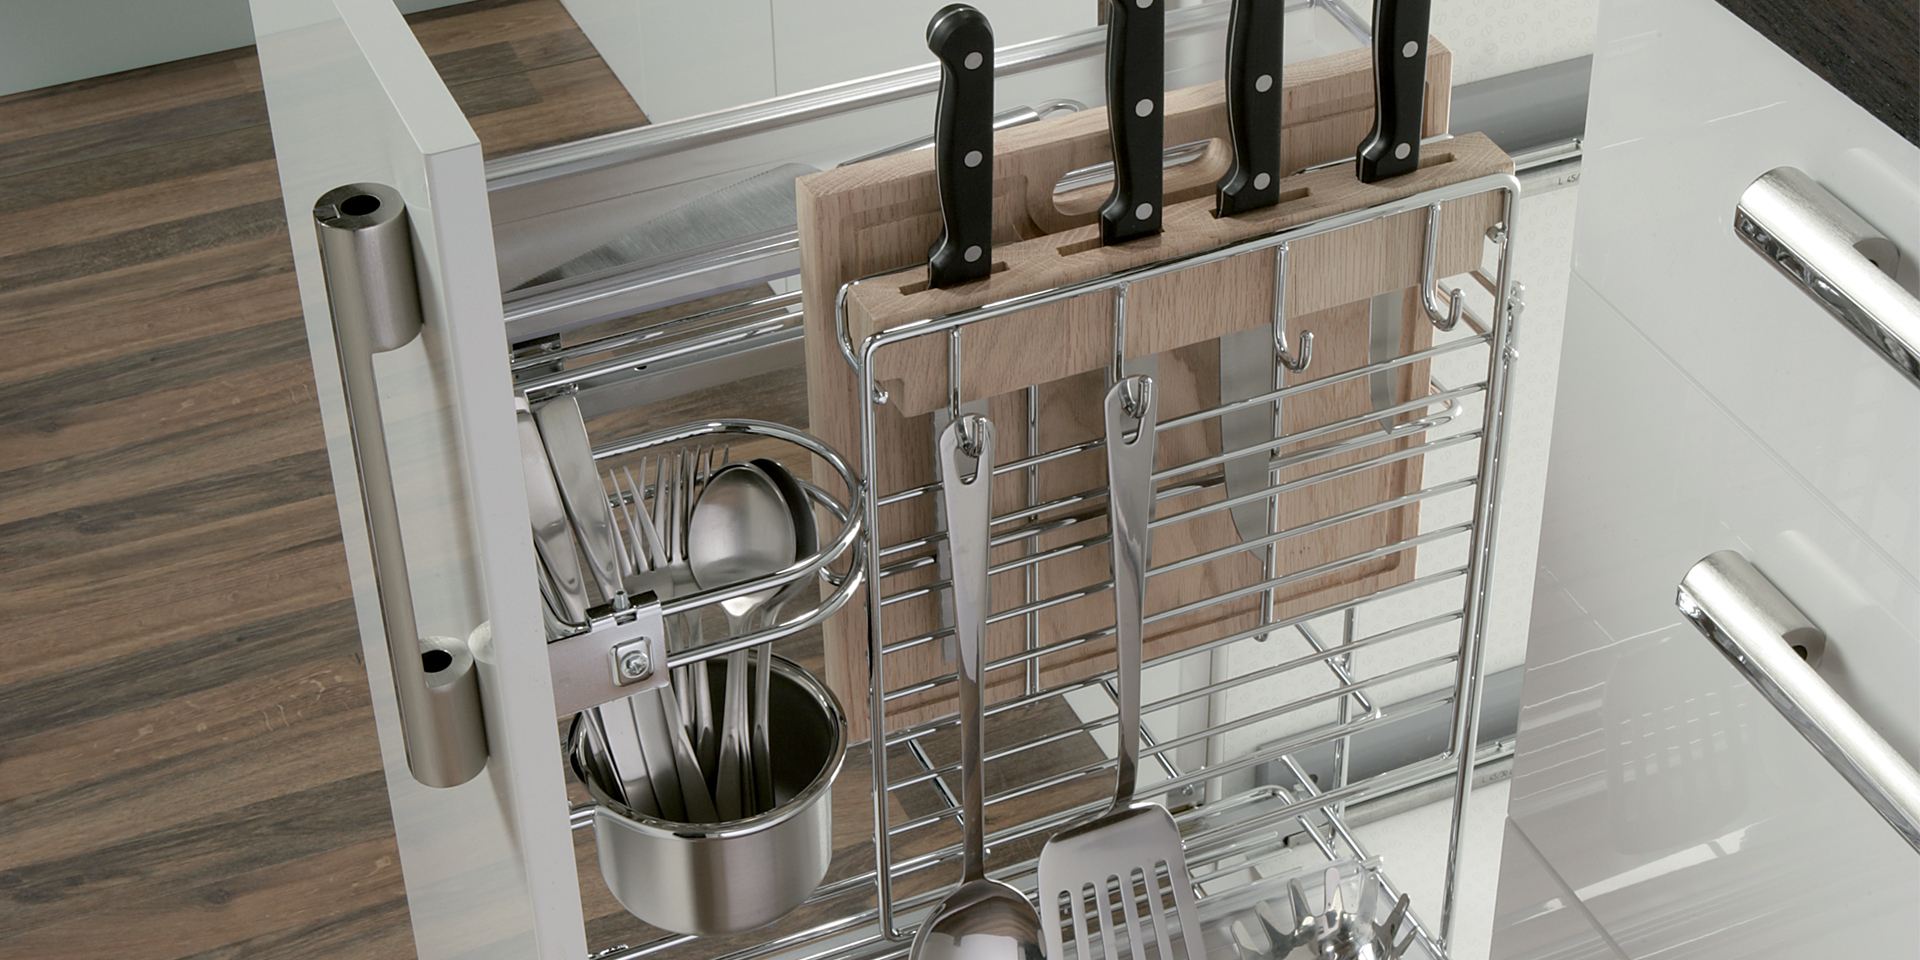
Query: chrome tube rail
{"x": 837, "y": 587}
{"x": 711, "y": 333}
{"x": 1777, "y": 648}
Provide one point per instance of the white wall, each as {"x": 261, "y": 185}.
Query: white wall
{"x": 44, "y": 42}
{"x": 679, "y": 59}
{"x": 1493, "y": 37}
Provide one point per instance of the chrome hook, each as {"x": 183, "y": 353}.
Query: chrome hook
{"x": 1287, "y": 359}
{"x": 968, "y": 429}
{"x": 1138, "y": 395}
{"x": 1280, "y": 349}
{"x": 1456, "y": 307}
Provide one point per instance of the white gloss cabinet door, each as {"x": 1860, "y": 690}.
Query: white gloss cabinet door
{"x": 1689, "y": 106}
{"x": 352, "y": 98}
{"x": 1670, "y": 801}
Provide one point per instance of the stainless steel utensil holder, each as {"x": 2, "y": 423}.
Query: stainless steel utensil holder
{"x": 581, "y": 660}
{"x": 1431, "y": 627}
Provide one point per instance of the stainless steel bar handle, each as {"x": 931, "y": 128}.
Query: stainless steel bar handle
{"x": 1839, "y": 259}
{"x": 1776, "y": 647}
{"x": 366, "y": 250}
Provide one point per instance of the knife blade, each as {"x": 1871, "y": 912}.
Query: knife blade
{"x": 1383, "y": 344}
{"x": 962, "y": 40}
{"x": 1136, "y": 81}
{"x": 1247, "y": 370}
{"x": 1254, "y": 38}
{"x": 1399, "y": 88}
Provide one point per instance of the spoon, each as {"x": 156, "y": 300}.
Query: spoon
{"x": 806, "y": 542}
{"x": 740, "y": 529}
{"x": 982, "y": 919}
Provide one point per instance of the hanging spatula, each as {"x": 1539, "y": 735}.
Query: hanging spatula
{"x": 1121, "y": 855}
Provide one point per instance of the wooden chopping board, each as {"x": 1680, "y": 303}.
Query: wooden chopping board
{"x": 871, "y": 218}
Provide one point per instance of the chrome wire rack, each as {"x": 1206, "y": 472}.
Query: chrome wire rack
{"x": 1231, "y": 715}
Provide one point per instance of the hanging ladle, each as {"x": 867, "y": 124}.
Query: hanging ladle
{"x": 982, "y": 919}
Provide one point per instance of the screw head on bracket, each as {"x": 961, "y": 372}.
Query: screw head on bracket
{"x": 636, "y": 664}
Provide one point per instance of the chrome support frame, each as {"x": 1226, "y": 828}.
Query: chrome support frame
{"x": 1033, "y": 518}
{"x": 1217, "y": 824}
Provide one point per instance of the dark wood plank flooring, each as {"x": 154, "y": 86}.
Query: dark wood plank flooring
{"x": 188, "y": 766}
{"x": 188, "y": 762}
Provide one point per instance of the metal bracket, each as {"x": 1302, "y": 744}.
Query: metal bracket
{"x": 621, "y": 653}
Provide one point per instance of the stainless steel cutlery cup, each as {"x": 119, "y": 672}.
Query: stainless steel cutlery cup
{"x": 718, "y": 878}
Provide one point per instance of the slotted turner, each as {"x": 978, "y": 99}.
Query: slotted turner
{"x": 1086, "y": 868}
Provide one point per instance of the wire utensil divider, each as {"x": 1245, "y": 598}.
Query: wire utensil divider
{"x": 1431, "y": 623}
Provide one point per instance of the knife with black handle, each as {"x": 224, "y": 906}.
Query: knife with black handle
{"x": 1136, "y": 81}
{"x": 1254, "y": 35}
{"x": 1399, "y": 85}
{"x": 962, "y": 39}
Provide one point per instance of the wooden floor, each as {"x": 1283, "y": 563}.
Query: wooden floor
{"x": 188, "y": 765}
{"x": 188, "y": 762}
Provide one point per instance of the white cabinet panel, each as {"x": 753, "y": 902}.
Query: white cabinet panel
{"x": 817, "y": 42}
{"x": 1682, "y": 811}
{"x": 1689, "y": 106}
{"x": 1536, "y": 917}
{"x": 679, "y": 59}
{"x": 488, "y": 864}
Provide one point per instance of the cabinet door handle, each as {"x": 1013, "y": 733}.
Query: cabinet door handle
{"x": 1776, "y": 647}
{"x": 1839, "y": 259}
{"x": 366, "y": 250}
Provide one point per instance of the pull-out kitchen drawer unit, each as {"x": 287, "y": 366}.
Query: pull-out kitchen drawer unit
{"x": 499, "y": 865}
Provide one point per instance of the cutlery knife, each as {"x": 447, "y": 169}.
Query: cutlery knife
{"x": 1383, "y": 344}
{"x": 1254, "y": 35}
{"x": 1136, "y": 81}
{"x": 1246, "y": 357}
{"x": 962, "y": 40}
{"x": 1247, "y": 369}
{"x": 1399, "y": 88}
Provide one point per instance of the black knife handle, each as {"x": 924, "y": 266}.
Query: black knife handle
{"x": 962, "y": 39}
{"x": 1399, "y": 86}
{"x": 1254, "y": 35}
{"x": 1136, "y": 82}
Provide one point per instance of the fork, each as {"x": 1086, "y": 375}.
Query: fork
{"x": 658, "y": 716}
{"x": 677, "y": 483}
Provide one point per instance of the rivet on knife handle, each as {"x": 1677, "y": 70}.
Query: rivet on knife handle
{"x": 1399, "y": 84}
{"x": 1254, "y": 36}
{"x": 962, "y": 39}
{"x": 1136, "y": 81}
